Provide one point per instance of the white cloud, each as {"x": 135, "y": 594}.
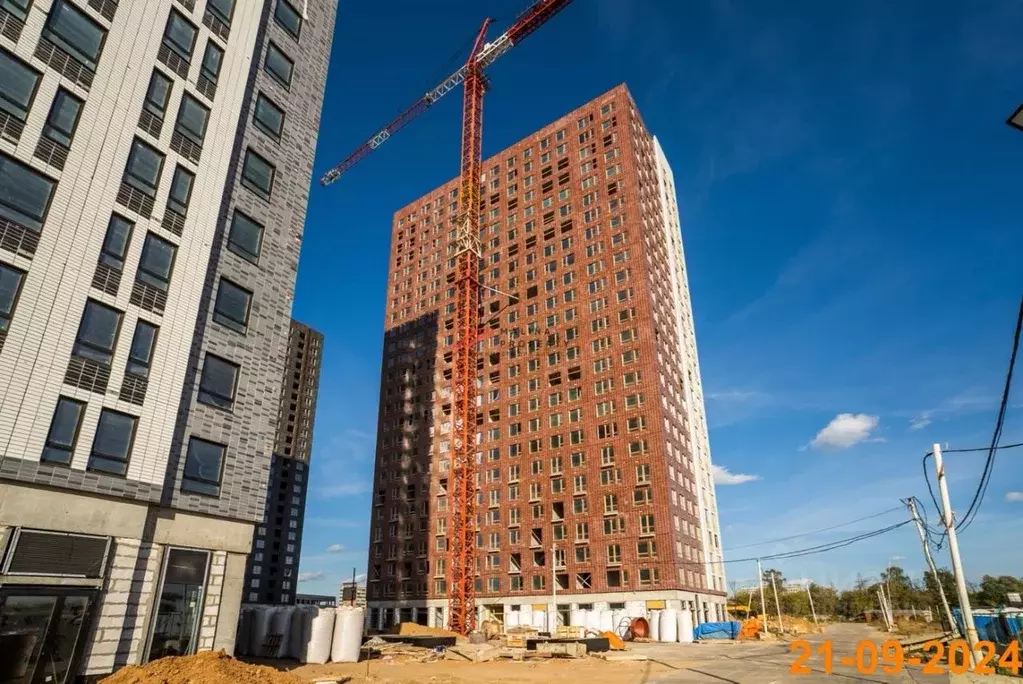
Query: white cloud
{"x": 335, "y": 548}
{"x": 1014, "y": 496}
{"x": 920, "y": 422}
{"x": 845, "y": 430}
{"x": 722, "y": 476}
{"x": 311, "y": 576}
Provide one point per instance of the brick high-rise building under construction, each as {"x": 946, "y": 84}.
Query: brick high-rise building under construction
{"x": 594, "y": 468}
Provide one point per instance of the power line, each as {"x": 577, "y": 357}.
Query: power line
{"x": 824, "y": 529}
{"x": 820, "y": 548}
{"x": 985, "y": 477}
{"x": 987, "y": 448}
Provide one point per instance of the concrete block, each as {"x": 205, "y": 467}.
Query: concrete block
{"x": 571, "y": 649}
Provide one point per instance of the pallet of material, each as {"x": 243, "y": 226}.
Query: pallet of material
{"x": 569, "y": 632}
{"x": 593, "y": 645}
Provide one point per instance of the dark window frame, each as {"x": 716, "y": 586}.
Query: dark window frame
{"x": 196, "y": 484}
{"x": 270, "y": 48}
{"x": 89, "y": 346}
{"x": 159, "y": 173}
{"x": 49, "y": 126}
{"x": 173, "y": 203}
{"x": 50, "y": 446}
{"x": 203, "y": 70}
{"x": 108, "y": 256}
{"x": 174, "y": 47}
{"x": 252, "y": 186}
{"x": 21, "y": 116}
{"x": 20, "y": 218}
{"x": 236, "y": 247}
{"x": 262, "y": 98}
{"x": 7, "y": 316}
{"x": 197, "y": 138}
{"x": 16, "y": 9}
{"x": 209, "y": 397}
{"x": 141, "y": 367}
{"x": 89, "y": 62}
{"x": 149, "y": 104}
{"x": 279, "y": 22}
{"x": 95, "y": 456}
{"x": 151, "y": 275}
{"x": 215, "y": 11}
{"x": 225, "y": 318}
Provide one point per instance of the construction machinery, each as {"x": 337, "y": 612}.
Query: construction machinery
{"x": 462, "y": 564}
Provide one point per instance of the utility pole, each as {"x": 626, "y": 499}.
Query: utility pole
{"x": 763, "y": 606}
{"x": 930, "y": 563}
{"x": 777, "y": 603}
{"x": 953, "y": 550}
{"x": 812, "y": 609}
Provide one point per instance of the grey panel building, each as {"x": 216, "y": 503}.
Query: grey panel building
{"x": 272, "y": 572}
{"x": 155, "y": 163}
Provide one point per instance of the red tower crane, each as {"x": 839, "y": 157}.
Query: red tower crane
{"x": 462, "y": 568}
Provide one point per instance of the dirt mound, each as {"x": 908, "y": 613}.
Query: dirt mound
{"x": 207, "y": 667}
{"x": 413, "y": 629}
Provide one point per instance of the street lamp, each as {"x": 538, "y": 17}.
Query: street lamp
{"x": 1016, "y": 120}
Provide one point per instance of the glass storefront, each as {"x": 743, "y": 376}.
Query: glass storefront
{"x": 41, "y": 633}
{"x": 179, "y": 608}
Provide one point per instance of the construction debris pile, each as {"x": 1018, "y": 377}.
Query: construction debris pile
{"x": 206, "y": 667}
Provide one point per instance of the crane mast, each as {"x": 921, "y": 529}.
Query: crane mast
{"x": 462, "y": 551}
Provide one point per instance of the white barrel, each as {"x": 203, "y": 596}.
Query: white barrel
{"x": 605, "y": 621}
{"x": 244, "y": 634}
{"x": 685, "y": 626}
{"x": 655, "y": 624}
{"x": 511, "y": 619}
{"x": 347, "y": 639}
{"x": 280, "y": 623}
{"x": 669, "y": 625}
{"x": 620, "y": 621}
{"x": 321, "y": 633}
{"x": 539, "y": 619}
{"x": 260, "y": 627}
{"x": 593, "y": 620}
{"x": 577, "y": 618}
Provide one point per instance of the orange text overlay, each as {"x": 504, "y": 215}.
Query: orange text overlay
{"x": 891, "y": 658}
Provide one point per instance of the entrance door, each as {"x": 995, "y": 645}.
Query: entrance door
{"x": 41, "y": 634}
{"x": 179, "y": 610}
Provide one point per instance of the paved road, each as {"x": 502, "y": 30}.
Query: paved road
{"x": 768, "y": 662}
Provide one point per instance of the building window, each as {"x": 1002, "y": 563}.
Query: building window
{"x": 181, "y": 190}
{"x": 268, "y": 117}
{"x": 18, "y": 8}
{"x": 258, "y": 174}
{"x": 180, "y": 605}
{"x": 60, "y": 442}
{"x": 288, "y": 18}
{"x": 158, "y": 95}
{"x": 97, "y": 334}
{"x": 111, "y": 448}
{"x": 140, "y": 357}
{"x": 232, "y": 306}
{"x": 193, "y": 118}
{"x": 278, "y": 65}
{"x": 221, "y": 9}
{"x": 145, "y": 164}
{"x": 212, "y": 60}
{"x": 157, "y": 262}
{"x": 218, "y": 383}
{"x": 18, "y": 85}
{"x": 63, "y": 118}
{"x": 76, "y": 33}
{"x": 245, "y": 238}
{"x": 203, "y": 466}
{"x": 179, "y": 37}
{"x": 25, "y": 194}
{"x": 115, "y": 244}
{"x": 10, "y": 287}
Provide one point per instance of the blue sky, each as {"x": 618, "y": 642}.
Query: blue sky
{"x": 851, "y": 206}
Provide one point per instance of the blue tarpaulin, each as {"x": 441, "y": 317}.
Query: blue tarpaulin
{"x": 717, "y": 630}
{"x": 998, "y": 626}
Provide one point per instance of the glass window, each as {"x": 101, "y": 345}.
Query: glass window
{"x": 181, "y": 603}
{"x": 258, "y": 174}
{"x": 232, "y": 307}
{"x": 19, "y": 8}
{"x": 145, "y": 164}
{"x": 269, "y": 117}
{"x": 142, "y": 345}
{"x": 18, "y": 84}
{"x": 203, "y": 466}
{"x": 112, "y": 446}
{"x": 288, "y": 18}
{"x": 278, "y": 65}
{"x": 24, "y": 193}
{"x": 10, "y": 286}
{"x": 60, "y": 442}
{"x": 157, "y": 262}
{"x": 212, "y": 60}
{"x": 221, "y": 9}
{"x": 75, "y": 32}
{"x": 158, "y": 95}
{"x": 180, "y": 35}
{"x": 97, "y": 333}
{"x": 192, "y": 119}
{"x": 245, "y": 238}
{"x": 217, "y": 386}
{"x": 63, "y": 118}
{"x": 115, "y": 244}
{"x": 181, "y": 190}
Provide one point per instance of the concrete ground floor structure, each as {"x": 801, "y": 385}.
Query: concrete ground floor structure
{"x": 434, "y": 612}
{"x": 89, "y": 584}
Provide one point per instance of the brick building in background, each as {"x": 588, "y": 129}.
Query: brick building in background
{"x": 593, "y": 452}
{"x": 271, "y": 575}
{"x": 155, "y": 162}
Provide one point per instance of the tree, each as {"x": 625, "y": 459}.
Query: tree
{"x": 903, "y": 594}
{"x": 994, "y": 591}
{"x": 948, "y": 583}
{"x": 778, "y": 578}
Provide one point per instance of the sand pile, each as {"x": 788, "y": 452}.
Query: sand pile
{"x": 207, "y": 667}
